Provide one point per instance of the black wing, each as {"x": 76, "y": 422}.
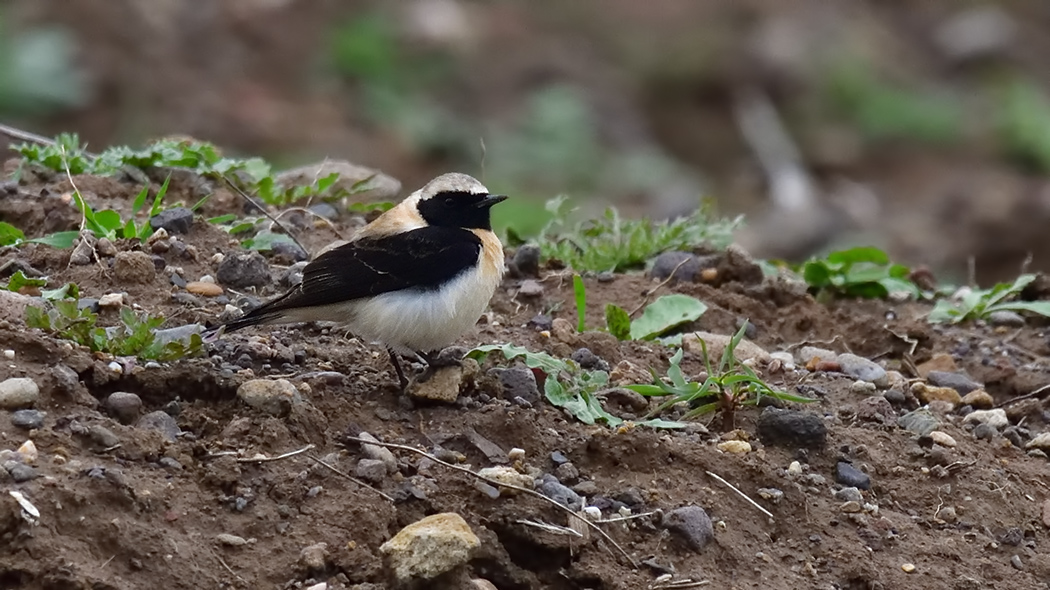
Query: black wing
{"x": 424, "y": 258}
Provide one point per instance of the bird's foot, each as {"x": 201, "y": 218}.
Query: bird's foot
{"x": 439, "y": 360}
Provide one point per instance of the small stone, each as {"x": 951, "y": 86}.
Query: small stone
{"x": 562, "y": 330}
{"x": 527, "y": 260}
{"x": 508, "y": 475}
{"x": 530, "y": 289}
{"x": 771, "y": 494}
{"x": 895, "y": 397}
{"x": 230, "y": 540}
{"x": 377, "y": 452}
{"x": 862, "y": 388}
{"x": 1016, "y": 562}
{"x": 553, "y": 489}
{"x": 683, "y": 265}
{"x": 430, "y": 547}
{"x": 586, "y": 488}
{"x": 808, "y": 354}
{"x": 908, "y": 568}
{"x": 371, "y": 470}
{"x": 862, "y": 368}
{"x": 27, "y": 452}
{"x": 134, "y": 267}
{"x": 1006, "y": 318}
{"x": 984, "y": 432}
{"x": 943, "y": 439}
{"x": 519, "y": 382}
{"x": 162, "y": 422}
{"x": 848, "y": 475}
{"x": 692, "y": 524}
{"x": 736, "y": 447}
{"x": 995, "y": 418}
{"x": 1018, "y": 411}
{"x": 20, "y": 472}
{"x": 625, "y": 397}
{"x": 516, "y": 454}
{"x": 243, "y": 269}
{"x": 105, "y": 247}
{"x": 558, "y": 457}
{"x": 1041, "y": 442}
{"x": 18, "y": 392}
{"x": 634, "y": 497}
{"x": 920, "y": 421}
{"x": 123, "y": 406}
{"x": 28, "y": 419}
{"x": 273, "y": 396}
{"x": 288, "y": 252}
{"x": 567, "y": 473}
{"x": 792, "y": 428}
{"x": 956, "y": 381}
{"x": 787, "y": 362}
{"x": 540, "y": 323}
{"x": 745, "y": 350}
{"x": 850, "y": 494}
{"x": 948, "y": 515}
{"x": 111, "y": 300}
{"x": 204, "y": 289}
{"x": 979, "y": 399}
{"x": 585, "y": 358}
{"x": 314, "y": 558}
{"x": 939, "y": 362}
{"x": 102, "y": 436}
{"x": 176, "y": 220}
{"x": 851, "y": 507}
{"x": 876, "y": 408}
{"x": 795, "y": 468}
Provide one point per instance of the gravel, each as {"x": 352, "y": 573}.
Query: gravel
{"x": 550, "y": 486}
{"x": 18, "y": 392}
{"x": 848, "y": 475}
{"x": 28, "y": 419}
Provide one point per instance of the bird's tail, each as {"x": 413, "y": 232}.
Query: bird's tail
{"x": 267, "y": 313}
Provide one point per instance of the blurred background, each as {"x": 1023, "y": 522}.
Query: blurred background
{"x": 920, "y": 127}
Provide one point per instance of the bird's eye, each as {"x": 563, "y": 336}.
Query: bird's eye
{"x": 450, "y": 202}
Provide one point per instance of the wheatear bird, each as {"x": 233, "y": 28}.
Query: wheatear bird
{"x": 415, "y": 279}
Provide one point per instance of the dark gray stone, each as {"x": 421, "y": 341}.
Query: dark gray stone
{"x": 553, "y": 489}
{"x": 558, "y": 458}
{"x": 177, "y": 220}
{"x": 243, "y": 269}
{"x": 567, "y": 472}
{"x": 124, "y": 406}
{"x": 28, "y": 419}
{"x": 527, "y": 260}
{"x": 585, "y": 358}
{"x": 541, "y": 322}
{"x": 666, "y": 263}
{"x": 162, "y": 422}
{"x": 102, "y": 436}
{"x": 984, "y": 431}
{"x": 895, "y": 397}
{"x": 519, "y": 382}
{"x": 289, "y": 251}
{"x": 956, "y": 381}
{"x": 631, "y": 497}
{"x": 792, "y": 428}
{"x": 848, "y": 475}
{"x": 21, "y": 472}
{"x": 371, "y": 470}
{"x": 921, "y": 422}
{"x": 692, "y": 524}
{"x": 325, "y": 210}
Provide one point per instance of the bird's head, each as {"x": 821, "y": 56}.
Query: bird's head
{"x": 457, "y": 200}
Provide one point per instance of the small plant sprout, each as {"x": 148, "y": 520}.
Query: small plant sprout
{"x": 972, "y": 304}
{"x": 659, "y": 317}
{"x": 858, "y": 272}
{"x": 727, "y": 387}
{"x": 567, "y": 386}
{"x": 579, "y": 291}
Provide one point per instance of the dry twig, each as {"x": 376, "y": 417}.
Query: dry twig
{"x": 742, "y": 495}
{"x": 277, "y": 458}
{"x": 350, "y": 477}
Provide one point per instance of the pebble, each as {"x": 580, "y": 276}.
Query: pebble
{"x": 692, "y": 524}
{"x": 430, "y": 547}
{"x": 288, "y": 252}
{"x": 809, "y": 354}
{"x": 984, "y": 432}
{"x": 979, "y": 399}
{"x": 204, "y": 289}
{"x": 371, "y": 470}
{"x": 848, "y": 475}
{"x": 529, "y": 289}
{"x": 586, "y": 488}
{"x": 920, "y": 421}
{"x": 1006, "y": 318}
{"x": 625, "y": 397}
{"x": 771, "y": 494}
{"x": 795, "y": 468}
{"x": 716, "y": 343}
{"x": 1016, "y": 562}
{"x": 377, "y": 452}
{"x": 736, "y": 447}
{"x": 245, "y": 269}
{"x": 28, "y": 419}
{"x": 851, "y": 507}
{"x": 957, "y": 381}
{"x": 683, "y": 265}
{"x": 562, "y": 330}
{"x": 849, "y": 494}
{"x": 162, "y": 422}
{"x": 943, "y": 439}
{"x": 862, "y": 368}
{"x": 273, "y": 396}
{"x": 519, "y": 382}
{"x": 792, "y": 428}
{"x": 862, "y": 388}
{"x": 508, "y": 475}
{"x": 634, "y": 497}
{"x": 895, "y": 397}
{"x": 948, "y": 515}
{"x": 27, "y": 452}
{"x": 540, "y": 323}
{"x": 549, "y": 486}
{"x": 527, "y": 260}
{"x": 786, "y": 360}
{"x": 134, "y": 267}
{"x": 567, "y": 472}
{"x": 995, "y": 418}
{"x": 908, "y": 568}
{"x": 111, "y": 300}
{"x": 585, "y": 358}
{"x": 314, "y": 557}
{"x": 516, "y": 454}
{"x": 102, "y": 436}
{"x": 230, "y": 540}
{"x": 176, "y": 220}
{"x": 929, "y": 394}
{"x": 557, "y": 457}
{"x": 20, "y": 472}
{"x": 18, "y": 392}
{"x": 123, "y": 406}
{"x": 1041, "y": 442}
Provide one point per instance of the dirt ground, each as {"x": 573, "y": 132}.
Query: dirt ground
{"x": 146, "y": 507}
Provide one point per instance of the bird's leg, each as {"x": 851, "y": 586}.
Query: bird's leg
{"x": 433, "y": 362}
{"x": 397, "y": 367}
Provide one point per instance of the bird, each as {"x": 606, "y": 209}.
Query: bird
{"x": 415, "y": 279}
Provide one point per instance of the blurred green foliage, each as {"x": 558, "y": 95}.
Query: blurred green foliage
{"x": 1024, "y": 124}
{"x": 37, "y": 72}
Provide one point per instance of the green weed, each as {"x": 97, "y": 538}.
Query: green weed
{"x": 658, "y": 318}
{"x": 980, "y": 303}
{"x": 725, "y": 389}
{"x": 568, "y": 386}
{"x": 858, "y": 272}
{"x": 612, "y": 243}
{"x": 1024, "y": 125}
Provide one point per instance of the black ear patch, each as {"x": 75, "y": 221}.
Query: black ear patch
{"x": 456, "y": 209}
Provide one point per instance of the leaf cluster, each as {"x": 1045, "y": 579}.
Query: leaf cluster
{"x": 864, "y": 272}
{"x": 980, "y": 303}
{"x": 658, "y": 318}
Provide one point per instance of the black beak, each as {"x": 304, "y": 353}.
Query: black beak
{"x": 490, "y": 200}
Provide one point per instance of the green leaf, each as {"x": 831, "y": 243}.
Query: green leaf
{"x": 156, "y": 208}
{"x": 534, "y": 360}
{"x": 369, "y": 207}
{"x": 265, "y": 240}
{"x": 19, "y": 281}
{"x": 618, "y": 322}
{"x": 666, "y": 313}
{"x": 222, "y": 219}
{"x": 580, "y": 292}
{"x": 9, "y": 234}
{"x": 61, "y": 240}
{"x": 69, "y": 290}
{"x": 36, "y": 317}
{"x": 816, "y": 274}
{"x": 1040, "y": 307}
{"x": 860, "y": 254}
{"x": 108, "y": 220}
{"x": 140, "y": 199}
{"x": 325, "y": 183}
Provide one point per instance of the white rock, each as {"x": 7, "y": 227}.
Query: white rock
{"x": 430, "y": 547}
{"x": 736, "y": 447}
{"x": 28, "y": 452}
{"x": 795, "y": 468}
{"x": 111, "y": 300}
{"x": 516, "y": 454}
{"x": 507, "y": 475}
{"x": 808, "y": 353}
{"x": 273, "y": 396}
{"x": 785, "y": 358}
{"x": 995, "y": 418}
{"x": 1042, "y": 442}
{"x": 377, "y": 452}
{"x": 18, "y": 392}
{"x": 716, "y": 343}
{"x": 942, "y": 438}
